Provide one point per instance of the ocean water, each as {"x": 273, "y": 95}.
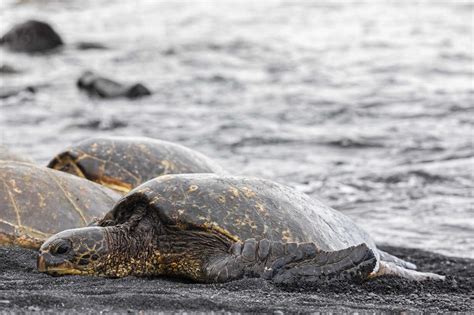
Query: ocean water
{"x": 367, "y": 105}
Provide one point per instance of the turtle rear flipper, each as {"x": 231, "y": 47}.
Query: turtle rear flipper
{"x": 389, "y": 268}
{"x": 292, "y": 263}
{"x": 395, "y": 260}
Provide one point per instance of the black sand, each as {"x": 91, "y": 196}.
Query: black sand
{"x": 22, "y": 288}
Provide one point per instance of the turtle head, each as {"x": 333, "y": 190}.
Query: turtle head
{"x": 88, "y": 165}
{"x": 69, "y": 161}
{"x": 74, "y": 252}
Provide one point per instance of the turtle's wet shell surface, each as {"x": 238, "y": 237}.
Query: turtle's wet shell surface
{"x": 126, "y": 162}
{"x": 36, "y": 201}
{"x": 243, "y": 208}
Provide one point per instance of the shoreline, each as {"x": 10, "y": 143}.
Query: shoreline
{"x": 22, "y": 288}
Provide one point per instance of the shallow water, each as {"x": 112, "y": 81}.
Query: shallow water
{"x": 368, "y": 106}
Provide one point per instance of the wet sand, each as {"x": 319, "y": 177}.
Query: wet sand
{"x": 22, "y": 288}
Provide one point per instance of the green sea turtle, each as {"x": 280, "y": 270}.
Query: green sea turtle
{"x": 211, "y": 228}
{"x": 36, "y": 202}
{"x": 122, "y": 163}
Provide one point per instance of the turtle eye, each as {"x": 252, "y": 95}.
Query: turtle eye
{"x": 62, "y": 248}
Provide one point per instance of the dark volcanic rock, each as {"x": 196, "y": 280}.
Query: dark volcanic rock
{"x": 22, "y": 288}
{"x": 6, "y": 92}
{"x": 8, "y": 69}
{"x": 31, "y": 36}
{"x": 102, "y": 87}
{"x": 90, "y": 46}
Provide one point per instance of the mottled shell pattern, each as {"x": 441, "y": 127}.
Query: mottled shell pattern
{"x": 123, "y": 163}
{"x": 36, "y": 202}
{"x": 242, "y": 208}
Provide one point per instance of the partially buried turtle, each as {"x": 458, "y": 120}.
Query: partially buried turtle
{"x": 123, "y": 163}
{"x": 36, "y": 202}
{"x": 209, "y": 228}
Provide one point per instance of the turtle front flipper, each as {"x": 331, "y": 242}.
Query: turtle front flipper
{"x": 291, "y": 263}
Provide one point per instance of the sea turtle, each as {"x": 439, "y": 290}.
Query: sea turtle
{"x": 122, "y": 163}
{"x": 211, "y": 228}
{"x": 36, "y": 202}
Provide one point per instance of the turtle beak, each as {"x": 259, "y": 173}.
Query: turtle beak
{"x": 41, "y": 264}
{"x": 56, "y": 269}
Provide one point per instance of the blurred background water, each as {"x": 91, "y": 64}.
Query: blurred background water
{"x": 367, "y": 105}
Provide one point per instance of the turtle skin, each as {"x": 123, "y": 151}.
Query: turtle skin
{"x": 36, "y": 202}
{"x": 123, "y": 163}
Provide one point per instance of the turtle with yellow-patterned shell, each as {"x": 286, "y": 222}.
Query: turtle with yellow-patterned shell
{"x": 122, "y": 163}
{"x": 36, "y": 202}
{"x": 211, "y": 228}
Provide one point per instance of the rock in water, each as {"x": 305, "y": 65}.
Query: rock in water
{"x": 8, "y": 69}
{"x": 31, "y": 36}
{"x": 6, "y": 92}
{"x": 102, "y": 87}
{"x": 90, "y": 46}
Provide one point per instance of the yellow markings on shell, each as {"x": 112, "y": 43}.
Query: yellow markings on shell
{"x": 102, "y": 166}
{"x": 193, "y": 188}
{"x": 12, "y": 200}
{"x": 168, "y": 166}
{"x": 234, "y": 191}
{"x": 15, "y": 187}
{"x": 261, "y": 208}
{"x": 221, "y": 199}
{"x": 42, "y": 202}
{"x": 246, "y": 221}
{"x": 155, "y": 200}
{"x": 68, "y": 197}
{"x": 248, "y": 192}
{"x": 215, "y": 227}
{"x": 115, "y": 184}
{"x": 287, "y": 236}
